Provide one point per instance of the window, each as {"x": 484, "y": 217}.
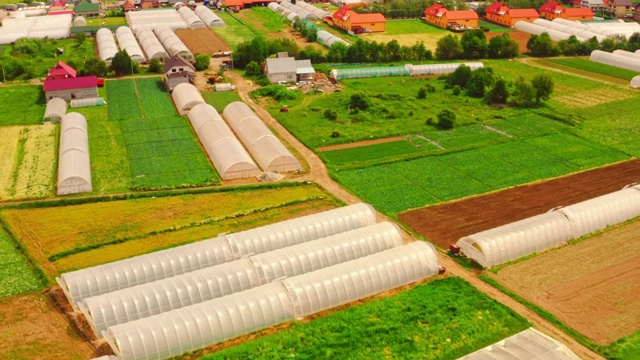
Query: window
{"x": 173, "y": 70}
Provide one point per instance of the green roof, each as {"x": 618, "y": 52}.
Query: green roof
{"x": 86, "y": 6}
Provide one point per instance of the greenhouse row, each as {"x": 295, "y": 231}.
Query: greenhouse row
{"x": 413, "y": 70}
{"x": 186, "y": 96}
{"x": 266, "y": 148}
{"x": 106, "y": 43}
{"x": 635, "y": 55}
{"x": 172, "y": 43}
{"x": 327, "y": 39}
{"x": 438, "y": 69}
{"x": 635, "y": 82}
{"x": 540, "y": 26}
{"x": 193, "y": 21}
{"x": 208, "y": 17}
{"x": 197, "y": 326}
{"x": 55, "y": 110}
{"x": 74, "y": 168}
{"x": 128, "y": 42}
{"x": 521, "y": 238}
{"x": 158, "y": 18}
{"x": 617, "y": 60}
{"x": 301, "y": 13}
{"x": 228, "y": 156}
{"x": 85, "y": 283}
{"x": 150, "y": 44}
{"x": 319, "y": 13}
{"x": 164, "y": 295}
{"x": 51, "y": 27}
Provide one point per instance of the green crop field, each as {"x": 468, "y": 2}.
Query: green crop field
{"x": 220, "y": 99}
{"x": 595, "y": 67}
{"x": 15, "y": 274}
{"x": 122, "y": 100}
{"x": 401, "y": 27}
{"x": 442, "y": 319}
{"x": 21, "y": 105}
{"x": 369, "y": 153}
{"x": 164, "y": 152}
{"x": 154, "y": 99}
{"x": 493, "y": 27}
{"x": 412, "y": 184}
{"x": 234, "y": 32}
{"x": 263, "y": 20}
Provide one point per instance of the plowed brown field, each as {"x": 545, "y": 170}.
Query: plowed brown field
{"x": 519, "y": 36}
{"x": 202, "y": 41}
{"x": 591, "y": 286}
{"x": 445, "y": 224}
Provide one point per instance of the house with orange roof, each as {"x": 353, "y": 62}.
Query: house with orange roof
{"x": 439, "y": 16}
{"x": 347, "y": 19}
{"x": 552, "y": 10}
{"x": 501, "y": 14}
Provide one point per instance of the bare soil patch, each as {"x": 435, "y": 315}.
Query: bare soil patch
{"x": 445, "y": 224}
{"x": 202, "y": 41}
{"x": 360, "y": 143}
{"x": 591, "y": 286}
{"x": 520, "y": 37}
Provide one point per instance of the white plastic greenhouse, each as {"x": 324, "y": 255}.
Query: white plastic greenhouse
{"x": 128, "y": 42}
{"x": 341, "y": 284}
{"x": 327, "y": 39}
{"x": 437, "y": 69}
{"x": 300, "y": 12}
{"x": 81, "y": 284}
{"x": 79, "y": 21}
{"x": 368, "y": 72}
{"x": 213, "y": 282}
{"x": 529, "y": 344}
{"x": 189, "y": 17}
{"x": 51, "y": 27}
{"x": 228, "y": 156}
{"x": 74, "y": 167}
{"x": 275, "y": 7}
{"x": 168, "y": 18}
{"x": 97, "y": 101}
{"x": 106, "y": 43}
{"x": 172, "y": 43}
{"x": 267, "y": 149}
{"x": 186, "y": 96}
{"x": 626, "y": 53}
{"x": 529, "y": 28}
{"x": 521, "y": 238}
{"x": 208, "y": 17}
{"x": 319, "y": 13}
{"x": 574, "y": 24}
{"x": 635, "y": 82}
{"x": 606, "y": 210}
{"x": 55, "y": 110}
{"x": 150, "y": 44}
{"x": 620, "y": 61}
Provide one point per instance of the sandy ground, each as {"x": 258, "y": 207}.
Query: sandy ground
{"x": 591, "y": 286}
{"x": 360, "y": 143}
{"x": 8, "y": 153}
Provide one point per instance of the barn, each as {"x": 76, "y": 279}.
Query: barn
{"x": 62, "y": 82}
{"x": 349, "y": 20}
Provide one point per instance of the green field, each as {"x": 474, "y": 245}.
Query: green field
{"x": 442, "y": 319}
{"x": 164, "y": 152}
{"x": 263, "y": 20}
{"x": 220, "y": 99}
{"x": 369, "y": 153}
{"x": 595, "y": 67}
{"x": 154, "y": 99}
{"x": 21, "y": 105}
{"x": 107, "y": 21}
{"x": 15, "y": 274}
{"x": 122, "y": 100}
{"x": 401, "y": 27}
{"x": 397, "y": 187}
{"x": 234, "y": 32}
{"x": 493, "y": 27}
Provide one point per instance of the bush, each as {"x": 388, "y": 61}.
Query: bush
{"x": 331, "y": 114}
{"x": 456, "y": 90}
{"x": 202, "y": 62}
{"x": 360, "y": 101}
{"x": 335, "y": 134}
{"x": 446, "y": 119}
{"x": 278, "y": 92}
{"x": 155, "y": 66}
{"x": 422, "y": 93}
{"x": 253, "y": 69}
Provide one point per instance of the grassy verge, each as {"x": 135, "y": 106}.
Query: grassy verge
{"x": 594, "y": 67}
{"x": 219, "y": 100}
{"x": 235, "y": 31}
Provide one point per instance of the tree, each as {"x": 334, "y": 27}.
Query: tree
{"x": 542, "y": 45}
{"x": 523, "y": 93}
{"x": 337, "y": 52}
{"x": 80, "y": 37}
{"x": 633, "y": 43}
{"x": 448, "y": 48}
{"x": 360, "y": 101}
{"x": 499, "y": 93}
{"x": 253, "y": 69}
{"x": 446, "y": 119}
{"x": 312, "y": 34}
{"x": 392, "y": 50}
{"x": 202, "y": 62}
{"x": 502, "y": 47}
{"x": 543, "y": 85}
{"x": 480, "y": 80}
{"x": 122, "y": 63}
{"x": 155, "y": 66}
{"x": 460, "y": 76}
{"x": 474, "y": 44}
{"x": 94, "y": 66}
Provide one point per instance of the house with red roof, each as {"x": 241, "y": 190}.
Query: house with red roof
{"x": 62, "y": 82}
{"x": 240, "y": 4}
{"x": 439, "y": 16}
{"x": 501, "y": 14}
{"x": 552, "y": 10}
{"x": 347, "y": 19}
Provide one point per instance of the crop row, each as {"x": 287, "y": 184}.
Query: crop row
{"x": 154, "y": 98}
{"x": 15, "y": 275}
{"x": 122, "y": 100}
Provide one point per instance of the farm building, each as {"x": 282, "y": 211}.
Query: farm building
{"x": 558, "y": 29}
{"x": 228, "y": 156}
{"x": 128, "y": 6}
{"x": 552, "y": 10}
{"x": 150, "y": 4}
{"x": 225, "y": 279}
{"x": 594, "y": 5}
{"x": 224, "y": 318}
{"x": 55, "y": 110}
{"x": 106, "y": 43}
{"x": 178, "y": 71}
{"x": 160, "y": 18}
{"x": 319, "y": 13}
{"x": 636, "y": 12}
{"x": 81, "y": 284}
{"x": 439, "y": 16}
{"x": 285, "y": 68}
{"x": 127, "y": 41}
{"x": 63, "y": 83}
{"x": 87, "y": 9}
{"x": 185, "y": 97}
{"x": 267, "y": 149}
{"x": 501, "y": 14}
{"x": 351, "y": 21}
{"x": 150, "y": 44}
{"x": 527, "y": 344}
{"x": 74, "y": 167}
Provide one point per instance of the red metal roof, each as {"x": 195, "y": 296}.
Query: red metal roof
{"x": 551, "y": 7}
{"x": 71, "y": 83}
{"x": 523, "y": 13}
{"x": 62, "y": 69}
{"x": 234, "y": 2}
{"x": 367, "y": 18}
{"x": 434, "y": 10}
{"x": 461, "y": 15}
{"x": 497, "y": 8}
{"x": 578, "y": 12}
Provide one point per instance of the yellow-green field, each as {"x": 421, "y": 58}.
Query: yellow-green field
{"x": 411, "y": 31}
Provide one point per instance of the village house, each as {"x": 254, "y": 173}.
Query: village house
{"x": 552, "y": 10}
{"x": 501, "y": 14}
{"x": 287, "y": 69}
{"x": 439, "y": 16}
{"x": 62, "y": 82}
{"x": 177, "y": 70}
{"x": 347, "y": 19}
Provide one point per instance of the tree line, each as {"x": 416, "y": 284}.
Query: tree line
{"x": 542, "y": 45}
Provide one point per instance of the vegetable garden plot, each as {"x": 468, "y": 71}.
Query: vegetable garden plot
{"x": 369, "y": 153}
{"x": 541, "y": 163}
{"x": 527, "y": 125}
{"x": 154, "y": 98}
{"x": 466, "y": 137}
{"x": 122, "y": 100}
{"x": 21, "y": 105}
{"x": 15, "y": 274}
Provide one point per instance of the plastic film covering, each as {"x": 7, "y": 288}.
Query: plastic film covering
{"x": 529, "y": 28}
{"x": 101, "y": 279}
{"x": 327, "y": 39}
{"x": 267, "y": 149}
{"x": 300, "y": 12}
{"x": 128, "y": 42}
{"x": 208, "y": 17}
{"x": 80, "y": 21}
{"x": 626, "y": 53}
{"x": 438, "y": 69}
{"x": 551, "y": 25}
{"x": 573, "y": 24}
{"x": 301, "y": 230}
{"x": 368, "y": 72}
{"x": 106, "y": 43}
{"x": 325, "y": 252}
{"x": 340, "y": 284}
{"x": 150, "y": 44}
{"x": 78, "y": 103}
{"x": 55, "y": 110}
{"x": 319, "y": 13}
{"x": 635, "y": 82}
{"x": 51, "y": 27}
{"x": 74, "y": 168}
{"x": 172, "y": 43}
{"x": 514, "y": 240}
{"x": 194, "y": 327}
{"x": 186, "y": 97}
{"x": 190, "y": 17}
{"x": 275, "y": 7}
{"x": 168, "y": 18}
{"x": 620, "y": 61}
{"x": 606, "y": 210}
{"x": 228, "y": 156}
{"x": 164, "y": 295}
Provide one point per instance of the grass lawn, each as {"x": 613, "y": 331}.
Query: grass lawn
{"x": 107, "y": 21}
{"x": 234, "y": 32}
{"x": 21, "y": 105}
{"x": 411, "y": 31}
{"x": 442, "y": 319}
{"x": 263, "y": 20}
{"x": 595, "y": 67}
{"x": 493, "y": 27}
{"x": 220, "y": 99}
